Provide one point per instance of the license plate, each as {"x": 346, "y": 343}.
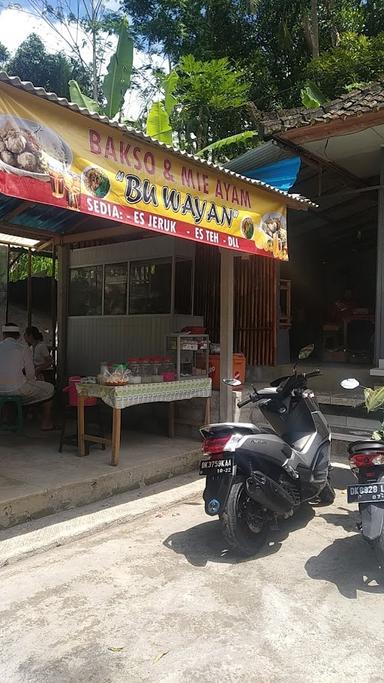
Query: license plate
{"x": 366, "y": 493}
{"x": 217, "y": 467}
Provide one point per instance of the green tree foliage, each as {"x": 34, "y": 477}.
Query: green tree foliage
{"x": 357, "y": 59}
{"x": 271, "y": 40}
{"x": 374, "y": 17}
{"x": 209, "y": 93}
{"x": 32, "y": 62}
{"x": 207, "y": 29}
{"x": 41, "y": 265}
{"x": 4, "y": 54}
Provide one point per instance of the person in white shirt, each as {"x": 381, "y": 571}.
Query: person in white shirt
{"x": 17, "y": 375}
{"x": 41, "y": 357}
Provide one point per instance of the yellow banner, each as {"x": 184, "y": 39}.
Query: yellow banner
{"x": 52, "y": 155}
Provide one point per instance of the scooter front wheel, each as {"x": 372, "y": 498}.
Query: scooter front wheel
{"x": 243, "y": 521}
{"x": 327, "y": 494}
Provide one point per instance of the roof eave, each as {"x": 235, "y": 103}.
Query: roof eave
{"x": 300, "y": 203}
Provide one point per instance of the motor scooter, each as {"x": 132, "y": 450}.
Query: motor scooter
{"x": 366, "y": 460}
{"x": 258, "y": 475}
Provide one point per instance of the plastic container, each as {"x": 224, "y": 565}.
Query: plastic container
{"x": 194, "y": 330}
{"x": 146, "y": 368}
{"x": 134, "y": 365}
{"x": 71, "y": 390}
{"x": 169, "y": 377}
{"x": 238, "y": 369}
{"x": 168, "y": 365}
{"x": 156, "y": 364}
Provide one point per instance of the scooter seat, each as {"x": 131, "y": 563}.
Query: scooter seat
{"x": 359, "y": 446}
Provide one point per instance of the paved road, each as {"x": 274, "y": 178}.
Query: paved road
{"x": 161, "y": 599}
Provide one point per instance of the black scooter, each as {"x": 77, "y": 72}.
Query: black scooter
{"x": 366, "y": 460}
{"x": 255, "y": 476}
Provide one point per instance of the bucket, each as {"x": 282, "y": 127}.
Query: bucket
{"x": 72, "y": 393}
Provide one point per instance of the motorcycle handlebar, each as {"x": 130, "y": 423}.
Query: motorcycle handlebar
{"x": 280, "y": 390}
{"x": 314, "y": 373}
{"x": 241, "y": 404}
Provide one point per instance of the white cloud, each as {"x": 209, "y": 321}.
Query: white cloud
{"x": 16, "y": 25}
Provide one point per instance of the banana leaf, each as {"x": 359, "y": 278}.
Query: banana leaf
{"x": 82, "y": 100}
{"x": 118, "y": 77}
{"x": 231, "y": 140}
{"x": 158, "y": 125}
{"x": 170, "y": 83}
{"x": 311, "y": 96}
{"x": 374, "y": 399}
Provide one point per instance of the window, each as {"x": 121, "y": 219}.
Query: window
{"x": 85, "y": 291}
{"x": 150, "y": 287}
{"x": 183, "y": 287}
{"x": 115, "y": 289}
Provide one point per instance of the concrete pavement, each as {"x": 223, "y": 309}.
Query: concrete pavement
{"x": 162, "y": 599}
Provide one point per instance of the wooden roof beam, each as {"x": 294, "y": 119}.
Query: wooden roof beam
{"x": 43, "y": 246}
{"x": 24, "y": 231}
{"x": 313, "y": 159}
{"x": 119, "y": 231}
{"x": 332, "y": 127}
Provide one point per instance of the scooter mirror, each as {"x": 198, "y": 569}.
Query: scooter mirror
{"x": 306, "y": 351}
{"x": 232, "y": 382}
{"x": 350, "y": 383}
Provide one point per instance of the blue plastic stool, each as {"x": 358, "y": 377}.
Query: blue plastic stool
{"x": 18, "y": 425}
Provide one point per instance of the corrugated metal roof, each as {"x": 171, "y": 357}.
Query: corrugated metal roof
{"x": 263, "y": 155}
{"x": 27, "y": 86}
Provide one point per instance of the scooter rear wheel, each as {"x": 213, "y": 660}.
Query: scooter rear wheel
{"x": 378, "y": 547}
{"x": 243, "y": 522}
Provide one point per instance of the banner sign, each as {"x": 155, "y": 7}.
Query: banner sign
{"x": 52, "y": 155}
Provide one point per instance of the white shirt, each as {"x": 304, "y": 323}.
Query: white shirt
{"x": 14, "y": 358}
{"x": 40, "y": 353}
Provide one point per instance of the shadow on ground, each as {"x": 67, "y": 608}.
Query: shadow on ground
{"x": 205, "y": 542}
{"x": 349, "y": 563}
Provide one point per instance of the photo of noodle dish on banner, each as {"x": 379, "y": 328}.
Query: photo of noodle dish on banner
{"x": 55, "y": 156}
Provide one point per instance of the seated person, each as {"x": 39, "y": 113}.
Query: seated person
{"x": 17, "y": 375}
{"x": 41, "y": 357}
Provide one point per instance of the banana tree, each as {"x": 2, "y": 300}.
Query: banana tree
{"x": 158, "y": 124}
{"x": 116, "y": 81}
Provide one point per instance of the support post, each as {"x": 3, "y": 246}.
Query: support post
{"x": 54, "y": 310}
{"x": 226, "y": 333}
{"x": 29, "y": 289}
{"x": 379, "y": 326}
{"x": 62, "y": 312}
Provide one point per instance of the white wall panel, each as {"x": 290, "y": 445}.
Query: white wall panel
{"x": 92, "y": 340}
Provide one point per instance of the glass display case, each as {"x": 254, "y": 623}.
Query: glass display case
{"x": 190, "y": 354}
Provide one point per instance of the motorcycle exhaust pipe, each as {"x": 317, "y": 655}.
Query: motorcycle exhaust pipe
{"x": 269, "y": 494}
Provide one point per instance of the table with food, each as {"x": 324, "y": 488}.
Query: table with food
{"x": 153, "y": 379}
